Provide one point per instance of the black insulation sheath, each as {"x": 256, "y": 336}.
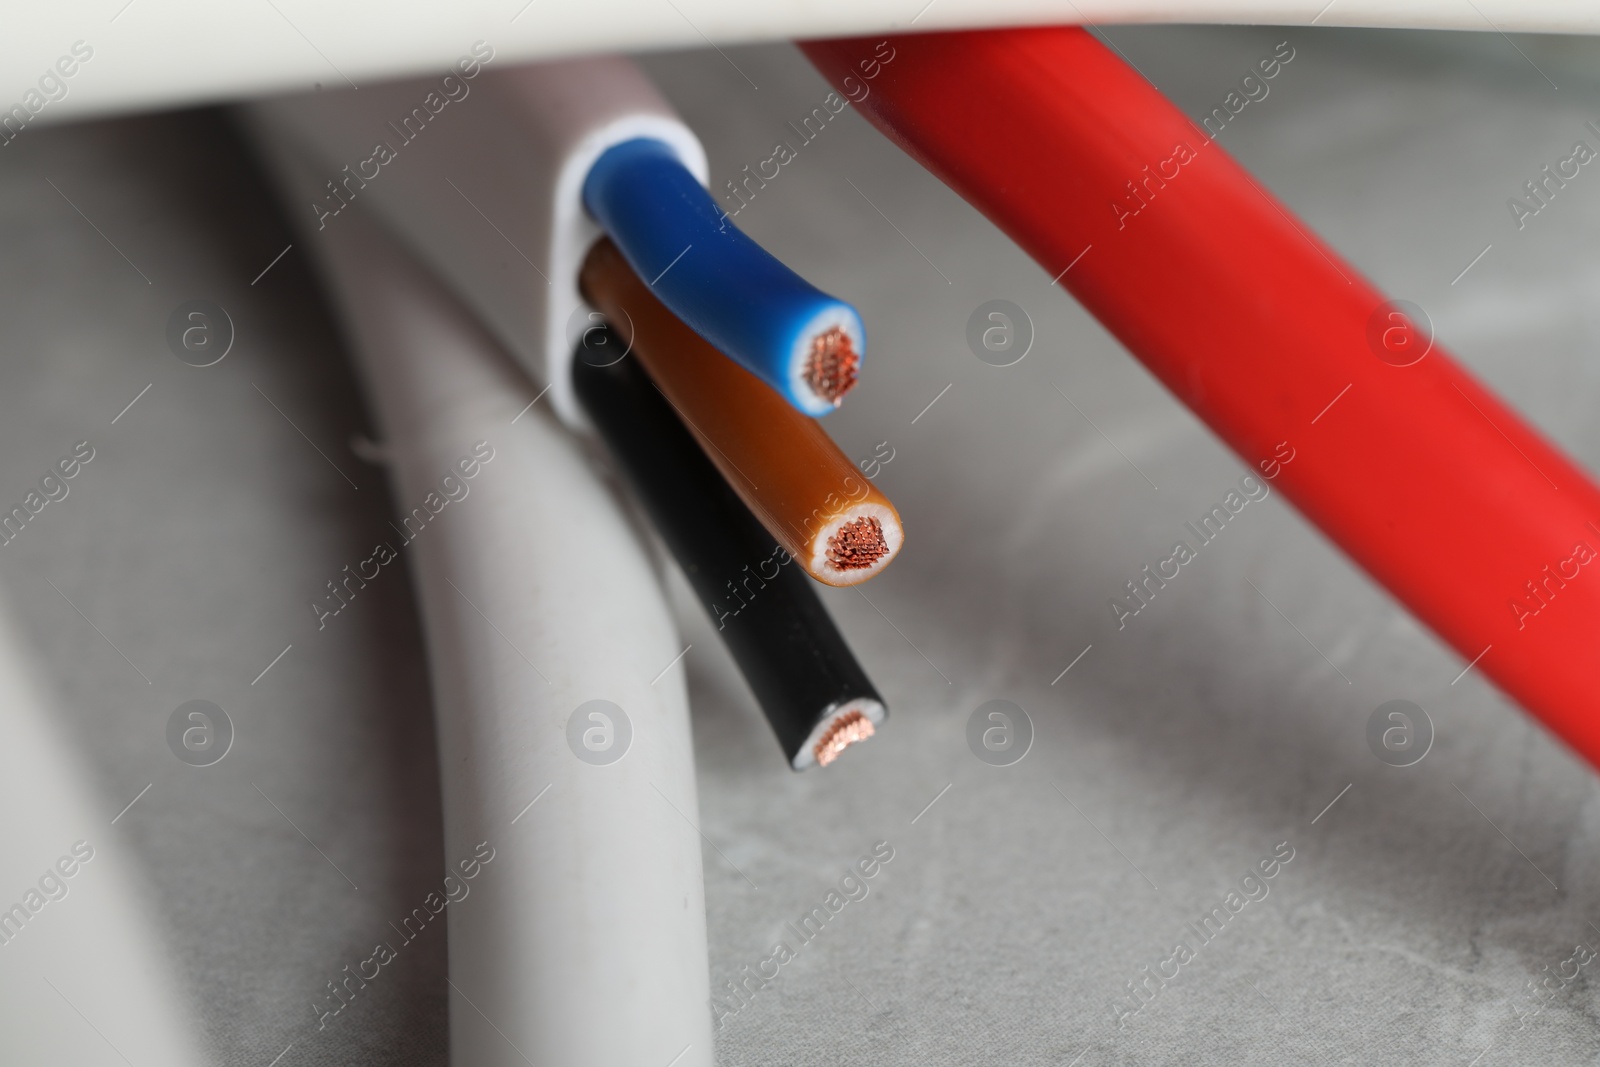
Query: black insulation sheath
{"x": 763, "y": 605}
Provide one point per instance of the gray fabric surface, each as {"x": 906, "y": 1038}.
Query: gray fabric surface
{"x": 1171, "y": 759}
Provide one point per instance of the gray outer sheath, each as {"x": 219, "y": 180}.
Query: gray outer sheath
{"x": 584, "y": 938}
{"x": 489, "y": 192}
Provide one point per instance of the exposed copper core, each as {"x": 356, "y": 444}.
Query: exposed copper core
{"x": 857, "y": 544}
{"x": 833, "y": 365}
{"x": 843, "y": 732}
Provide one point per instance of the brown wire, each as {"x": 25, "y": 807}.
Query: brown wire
{"x": 785, "y": 467}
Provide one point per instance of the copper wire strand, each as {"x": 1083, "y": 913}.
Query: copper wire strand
{"x": 843, "y": 732}
{"x": 857, "y": 544}
{"x": 832, "y": 366}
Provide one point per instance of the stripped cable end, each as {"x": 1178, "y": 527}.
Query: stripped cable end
{"x": 833, "y": 365}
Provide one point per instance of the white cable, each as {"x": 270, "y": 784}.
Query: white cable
{"x": 488, "y": 190}
{"x": 150, "y": 54}
{"x": 83, "y": 976}
{"x": 583, "y": 941}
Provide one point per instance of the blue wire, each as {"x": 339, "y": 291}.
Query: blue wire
{"x": 727, "y": 288}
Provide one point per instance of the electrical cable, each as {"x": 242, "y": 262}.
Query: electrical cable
{"x": 803, "y": 674}
{"x": 488, "y": 193}
{"x": 728, "y": 289}
{"x": 78, "y": 935}
{"x": 1423, "y": 476}
{"x": 564, "y": 739}
{"x": 155, "y": 65}
{"x": 810, "y": 497}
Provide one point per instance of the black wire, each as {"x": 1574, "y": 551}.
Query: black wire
{"x": 790, "y": 653}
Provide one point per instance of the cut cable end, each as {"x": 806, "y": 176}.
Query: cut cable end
{"x": 854, "y": 545}
{"x": 839, "y": 726}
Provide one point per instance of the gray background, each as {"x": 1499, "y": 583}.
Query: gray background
{"x": 1172, "y": 757}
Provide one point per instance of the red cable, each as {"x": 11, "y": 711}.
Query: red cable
{"x": 1447, "y": 497}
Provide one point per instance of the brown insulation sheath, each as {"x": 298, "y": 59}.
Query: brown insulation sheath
{"x": 784, "y": 466}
